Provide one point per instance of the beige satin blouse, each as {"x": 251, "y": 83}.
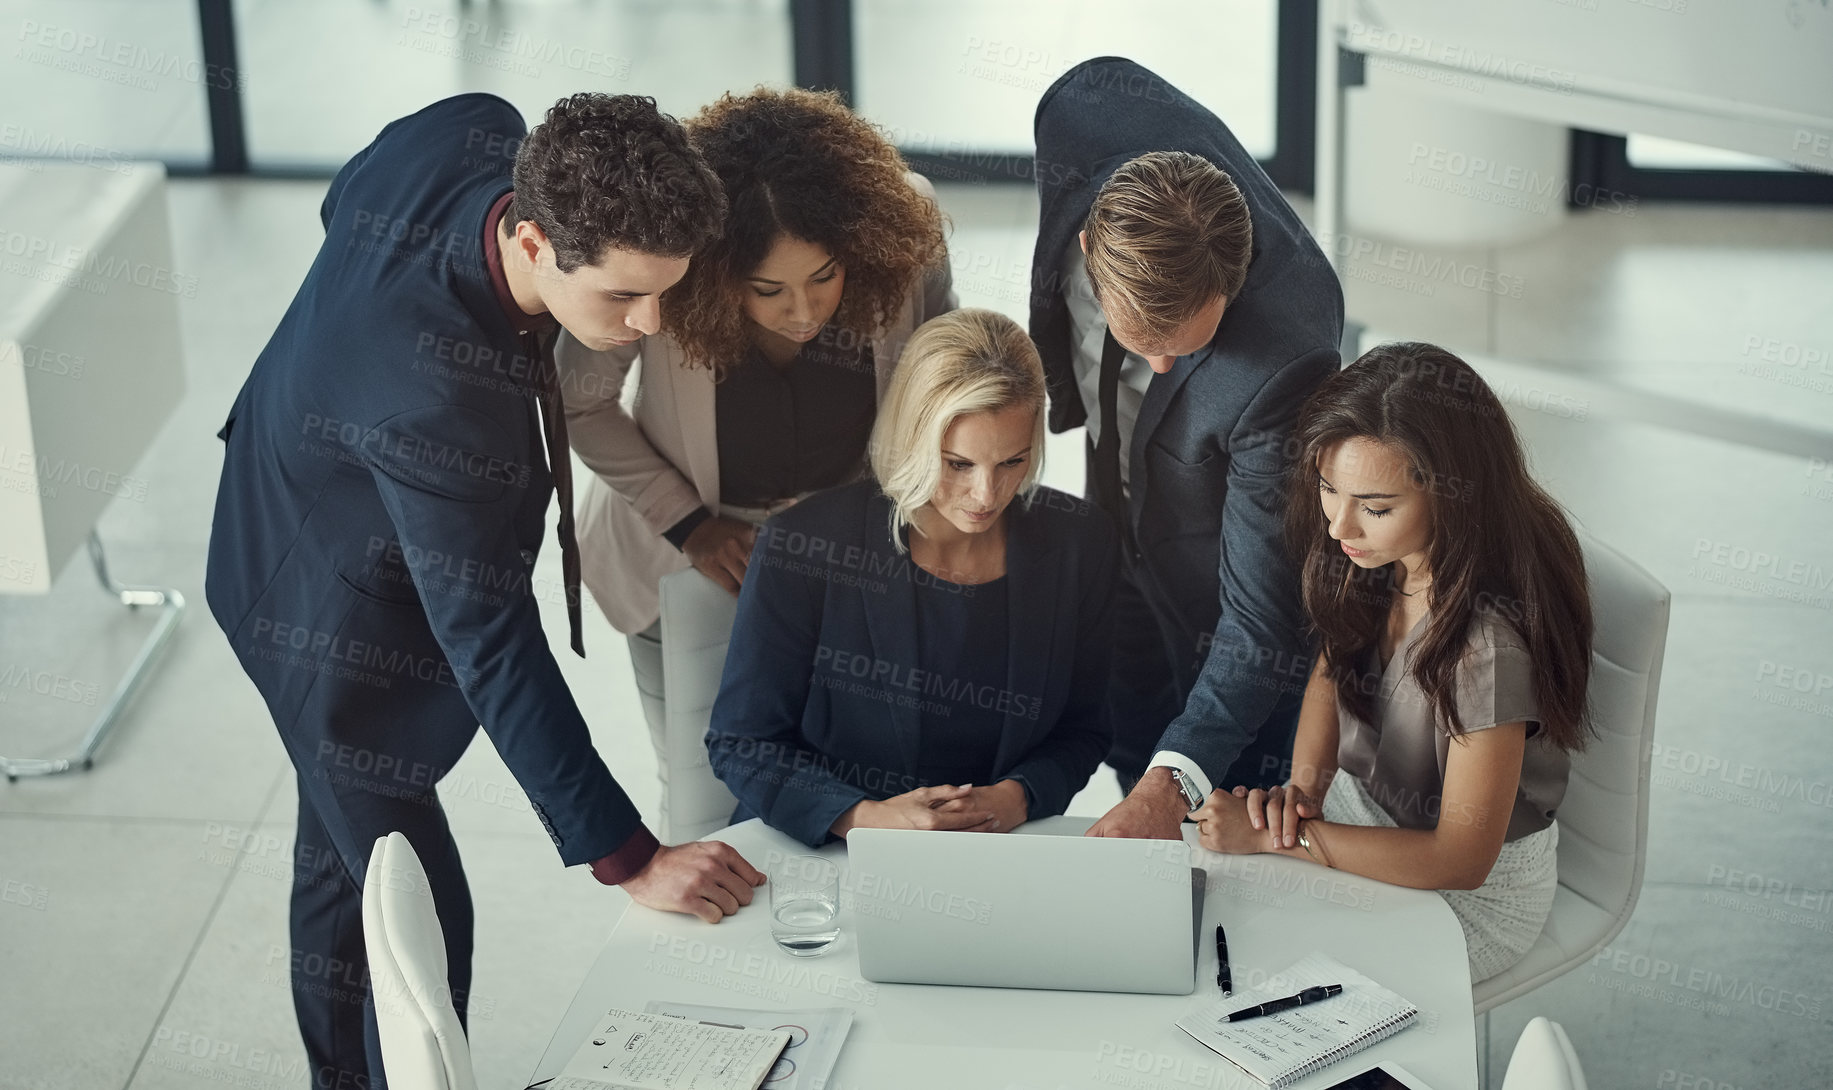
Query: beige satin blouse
{"x": 1401, "y": 757}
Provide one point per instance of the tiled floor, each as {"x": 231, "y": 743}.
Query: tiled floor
{"x": 143, "y": 934}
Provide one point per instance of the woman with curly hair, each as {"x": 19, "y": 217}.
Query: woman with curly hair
{"x": 775, "y": 350}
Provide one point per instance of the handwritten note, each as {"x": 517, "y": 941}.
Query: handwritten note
{"x": 1283, "y": 1047}
{"x": 630, "y": 1051}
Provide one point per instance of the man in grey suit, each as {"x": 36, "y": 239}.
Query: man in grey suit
{"x": 1183, "y": 313}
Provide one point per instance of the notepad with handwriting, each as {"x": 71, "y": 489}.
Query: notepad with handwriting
{"x": 1279, "y": 1049}
{"x": 631, "y": 1051}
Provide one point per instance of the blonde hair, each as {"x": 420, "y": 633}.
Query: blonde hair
{"x": 1167, "y": 234}
{"x": 966, "y": 361}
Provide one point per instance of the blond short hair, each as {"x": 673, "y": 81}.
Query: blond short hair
{"x": 966, "y": 361}
{"x": 1167, "y": 234}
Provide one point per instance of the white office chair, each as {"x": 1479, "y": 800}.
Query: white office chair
{"x": 423, "y": 1045}
{"x": 1603, "y": 822}
{"x": 1544, "y": 1060}
{"x": 697, "y": 617}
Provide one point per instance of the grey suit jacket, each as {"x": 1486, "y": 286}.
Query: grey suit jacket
{"x": 1210, "y": 450}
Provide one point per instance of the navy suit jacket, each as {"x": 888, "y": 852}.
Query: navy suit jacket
{"x": 1210, "y": 450}
{"x": 819, "y": 704}
{"x": 385, "y": 477}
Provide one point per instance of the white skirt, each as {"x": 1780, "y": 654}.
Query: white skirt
{"x": 1502, "y": 917}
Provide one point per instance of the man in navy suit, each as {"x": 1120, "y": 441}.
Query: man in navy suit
{"x": 388, "y": 465}
{"x": 1183, "y": 313}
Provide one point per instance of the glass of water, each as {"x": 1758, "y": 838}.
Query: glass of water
{"x": 804, "y": 901}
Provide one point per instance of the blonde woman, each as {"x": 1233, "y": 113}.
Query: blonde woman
{"x": 927, "y": 649}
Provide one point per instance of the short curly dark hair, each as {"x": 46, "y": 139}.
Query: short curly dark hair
{"x": 799, "y": 163}
{"x": 611, "y": 170}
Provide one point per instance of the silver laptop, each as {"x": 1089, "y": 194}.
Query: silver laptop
{"x": 1024, "y": 911}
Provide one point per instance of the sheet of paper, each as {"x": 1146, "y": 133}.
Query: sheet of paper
{"x": 815, "y": 1037}
{"x": 629, "y": 1051}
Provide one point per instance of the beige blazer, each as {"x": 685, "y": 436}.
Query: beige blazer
{"x": 654, "y": 455}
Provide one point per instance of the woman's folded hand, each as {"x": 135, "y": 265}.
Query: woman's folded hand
{"x": 1223, "y": 826}
{"x": 1005, "y": 799}
{"x": 926, "y": 808}
{"x": 1279, "y": 810}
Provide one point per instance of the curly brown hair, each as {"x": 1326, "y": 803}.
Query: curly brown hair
{"x": 799, "y": 163}
{"x": 611, "y": 170}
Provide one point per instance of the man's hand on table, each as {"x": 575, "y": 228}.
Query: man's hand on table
{"x": 706, "y": 878}
{"x": 1153, "y": 810}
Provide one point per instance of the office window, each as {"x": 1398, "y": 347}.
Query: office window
{"x": 965, "y": 75}
{"x": 103, "y": 81}
{"x": 326, "y": 75}
{"x": 1656, "y": 153}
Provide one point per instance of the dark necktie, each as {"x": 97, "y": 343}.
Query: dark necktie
{"x": 560, "y": 465}
{"x": 1107, "y": 449}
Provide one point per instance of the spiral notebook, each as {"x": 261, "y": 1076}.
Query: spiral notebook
{"x": 1279, "y": 1049}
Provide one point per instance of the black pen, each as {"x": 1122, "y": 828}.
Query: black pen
{"x": 1223, "y": 980}
{"x": 1274, "y": 1006}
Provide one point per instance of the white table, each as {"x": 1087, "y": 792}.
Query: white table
{"x": 913, "y": 1035}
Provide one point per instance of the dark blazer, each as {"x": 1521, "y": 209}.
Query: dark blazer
{"x": 385, "y": 479}
{"x": 1210, "y": 449}
{"x": 799, "y": 735}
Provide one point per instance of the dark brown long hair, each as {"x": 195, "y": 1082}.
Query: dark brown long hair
{"x": 1500, "y": 545}
{"x": 800, "y": 164}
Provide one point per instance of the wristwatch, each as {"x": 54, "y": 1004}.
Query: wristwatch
{"x": 1187, "y": 787}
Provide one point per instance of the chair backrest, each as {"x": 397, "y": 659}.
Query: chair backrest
{"x": 1544, "y": 1060}
{"x": 697, "y": 617}
{"x": 423, "y": 1044}
{"x": 1603, "y": 821}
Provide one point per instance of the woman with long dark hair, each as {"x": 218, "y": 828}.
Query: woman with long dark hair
{"x": 1447, "y": 599}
